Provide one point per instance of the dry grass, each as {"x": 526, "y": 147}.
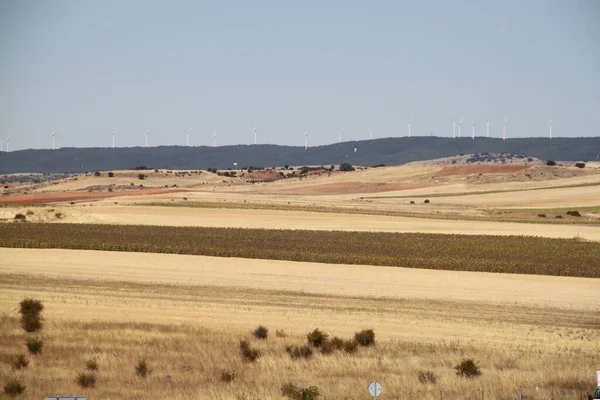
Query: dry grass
{"x": 188, "y": 363}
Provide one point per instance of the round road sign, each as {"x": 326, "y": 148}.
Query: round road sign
{"x": 375, "y": 388}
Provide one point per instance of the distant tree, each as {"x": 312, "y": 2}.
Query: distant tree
{"x": 551, "y": 163}
{"x": 141, "y": 176}
{"x": 111, "y": 174}
{"x": 286, "y": 166}
{"x": 580, "y": 165}
{"x": 97, "y": 173}
{"x": 346, "y": 167}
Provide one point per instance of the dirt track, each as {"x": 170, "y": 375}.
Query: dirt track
{"x": 56, "y": 197}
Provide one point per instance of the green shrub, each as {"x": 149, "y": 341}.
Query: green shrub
{"x": 111, "y": 174}
{"x": 142, "y": 368}
{"x": 467, "y": 368}
{"x": 551, "y": 163}
{"x": 13, "y": 388}
{"x": 34, "y": 345}
{"x": 365, "y": 337}
{"x": 141, "y": 176}
{"x": 20, "y": 362}
{"x": 574, "y": 213}
{"x": 346, "y": 167}
{"x": 97, "y": 173}
{"x": 248, "y": 353}
{"x": 91, "y": 365}
{"x": 427, "y": 377}
{"x": 86, "y": 380}
{"x": 261, "y": 332}
{"x": 299, "y": 351}
{"x": 299, "y": 393}
{"x": 316, "y": 338}
{"x": 20, "y": 217}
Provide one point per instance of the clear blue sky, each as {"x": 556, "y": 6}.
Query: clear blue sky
{"x": 87, "y": 67}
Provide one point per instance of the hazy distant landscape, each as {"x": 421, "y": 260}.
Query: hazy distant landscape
{"x": 390, "y": 151}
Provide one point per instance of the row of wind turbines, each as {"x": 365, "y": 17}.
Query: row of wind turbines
{"x": 455, "y": 125}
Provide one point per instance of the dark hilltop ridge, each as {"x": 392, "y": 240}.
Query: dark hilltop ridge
{"x": 388, "y": 151}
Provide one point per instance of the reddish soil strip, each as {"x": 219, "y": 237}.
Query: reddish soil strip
{"x": 353, "y": 187}
{"x": 78, "y": 196}
{"x": 480, "y": 169}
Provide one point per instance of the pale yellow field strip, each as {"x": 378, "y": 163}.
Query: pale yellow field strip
{"x": 316, "y": 278}
{"x": 275, "y": 219}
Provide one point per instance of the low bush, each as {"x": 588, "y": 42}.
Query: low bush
{"x": 299, "y": 351}
{"x": 248, "y": 353}
{"x": 299, "y": 393}
{"x": 551, "y": 163}
{"x": 20, "y": 217}
{"x": 30, "y": 306}
{"x": 31, "y": 323}
{"x": 142, "y": 368}
{"x": 350, "y": 346}
{"x": 34, "y": 345}
{"x": 20, "y": 362}
{"x": 91, "y": 365}
{"x": 29, "y": 212}
{"x": 227, "y": 376}
{"x": 542, "y": 215}
{"x": 365, "y": 337}
{"x": 97, "y": 173}
{"x": 346, "y": 167}
{"x": 141, "y": 176}
{"x": 86, "y": 380}
{"x": 467, "y": 368}
{"x": 427, "y": 377}
{"x": 111, "y": 174}
{"x": 558, "y": 216}
{"x": 316, "y": 338}
{"x": 580, "y": 165}
{"x": 426, "y": 202}
{"x": 280, "y": 333}
{"x": 261, "y": 332}
{"x": 13, "y": 388}
{"x": 574, "y": 213}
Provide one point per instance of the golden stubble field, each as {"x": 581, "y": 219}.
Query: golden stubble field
{"x": 186, "y": 314}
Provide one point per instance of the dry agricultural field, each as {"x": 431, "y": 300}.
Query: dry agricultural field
{"x": 498, "y": 264}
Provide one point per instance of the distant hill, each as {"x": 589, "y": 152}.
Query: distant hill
{"x": 389, "y": 151}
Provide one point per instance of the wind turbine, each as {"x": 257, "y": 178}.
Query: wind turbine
{"x": 146, "y": 135}
{"x": 371, "y": 133}
{"x": 487, "y": 127}
{"x": 214, "y": 137}
{"x": 459, "y": 125}
{"x": 409, "y": 122}
{"x": 550, "y": 128}
{"x": 473, "y": 128}
{"x": 113, "y": 138}
{"x": 187, "y": 137}
{"x": 453, "y": 128}
{"x": 340, "y": 134}
{"x": 53, "y": 133}
{"x": 305, "y": 140}
{"x": 254, "y": 131}
{"x": 504, "y": 129}
{"x": 1, "y": 143}
{"x": 7, "y": 142}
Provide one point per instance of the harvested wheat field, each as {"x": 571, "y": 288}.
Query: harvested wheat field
{"x": 186, "y": 314}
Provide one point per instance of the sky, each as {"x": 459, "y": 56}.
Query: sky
{"x": 86, "y": 68}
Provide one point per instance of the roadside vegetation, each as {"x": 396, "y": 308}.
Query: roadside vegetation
{"x": 502, "y": 254}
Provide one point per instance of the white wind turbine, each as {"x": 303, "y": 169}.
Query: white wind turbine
{"x": 305, "y": 140}
{"x": 409, "y": 122}
{"x": 340, "y": 134}
{"x": 459, "y": 125}
{"x": 53, "y": 133}
{"x": 187, "y": 137}
{"x": 113, "y": 138}
{"x": 504, "y": 129}
{"x": 7, "y": 143}
{"x": 473, "y": 129}
{"x": 254, "y": 131}
{"x": 146, "y": 136}
{"x": 371, "y": 133}
{"x": 215, "y": 137}
{"x": 487, "y": 129}
{"x": 550, "y": 128}
{"x": 1, "y": 143}
{"x": 453, "y": 128}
